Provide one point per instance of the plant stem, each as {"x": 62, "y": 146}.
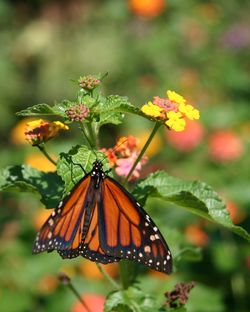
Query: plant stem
{"x": 107, "y": 276}
{"x": 156, "y": 127}
{"x": 92, "y": 134}
{"x": 45, "y": 153}
{"x": 124, "y": 274}
{"x": 76, "y": 293}
{"x": 85, "y": 135}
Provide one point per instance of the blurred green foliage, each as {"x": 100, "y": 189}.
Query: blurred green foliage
{"x": 201, "y": 50}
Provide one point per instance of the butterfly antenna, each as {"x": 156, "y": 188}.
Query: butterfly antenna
{"x": 116, "y": 147}
{"x": 96, "y": 156}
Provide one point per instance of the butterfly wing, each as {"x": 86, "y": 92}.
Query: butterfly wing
{"x": 127, "y": 231}
{"x": 102, "y": 221}
{"x": 90, "y": 247}
{"x": 63, "y": 229}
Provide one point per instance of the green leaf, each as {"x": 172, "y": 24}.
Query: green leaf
{"x": 110, "y": 118}
{"x": 114, "y": 102}
{"x": 197, "y": 197}
{"x": 132, "y": 299}
{"x": 27, "y": 179}
{"x": 108, "y": 109}
{"x": 44, "y": 109}
{"x": 71, "y": 165}
{"x": 205, "y": 299}
{"x": 190, "y": 254}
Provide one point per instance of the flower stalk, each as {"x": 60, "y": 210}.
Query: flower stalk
{"x": 65, "y": 280}
{"x": 150, "y": 138}
{"x": 86, "y": 135}
{"x": 107, "y": 276}
{"x": 41, "y": 147}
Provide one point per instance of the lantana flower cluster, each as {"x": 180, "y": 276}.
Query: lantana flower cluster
{"x": 89, "y": 82}
{"x": 40, "y": 131}
{"x": 173, "y": 110}
{"x": 123, "y": 155}
{"x": 77, "y": 112}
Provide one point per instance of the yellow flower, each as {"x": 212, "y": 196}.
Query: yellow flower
{"x": 175, "y": 121}
{"x": 55, "y": 127}
{"x": 175, "y": 97}
{"x": 40, "y": 131}
{"x": 189, "y": 111}
{"x": 151, "y": 110}
{"x": 60, "y": 125}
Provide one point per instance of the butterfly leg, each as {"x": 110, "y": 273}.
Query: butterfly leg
{"x": 108, "y": 171}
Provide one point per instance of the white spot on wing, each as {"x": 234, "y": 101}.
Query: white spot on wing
{"x": 147, "y": 248}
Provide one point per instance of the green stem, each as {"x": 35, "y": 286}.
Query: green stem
{"x": 45, "y": 153}
{"x": 124, "y": 274}
{"x": 76, "y": 293}
{"x": 92, "y": 134}
{"x": 124, "y": 266}
{"x": 86, "y": 135}
{"x": 107, "y": 276}
{"x": 156, "y": 127}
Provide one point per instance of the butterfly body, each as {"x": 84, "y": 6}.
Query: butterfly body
{"x": 100, "y": 220}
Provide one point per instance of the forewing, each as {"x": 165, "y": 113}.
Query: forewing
{"x": 63, "y": 229}
{"x": 127, "y": 231}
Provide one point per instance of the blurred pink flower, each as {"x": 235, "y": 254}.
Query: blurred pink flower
{"x": 188, "y": 139}
{"x": 237, "y": 37}
{"x": 123, "y": 156}
{"x": 93, "y": 301}
{"x": 124, "y": 166}
{"x": 225, "y": 145}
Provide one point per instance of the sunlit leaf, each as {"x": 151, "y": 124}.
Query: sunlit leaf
{"x": 27, "y": 179}
{"x": 197, "y": 197}
{"x": 133, "y": 299}
{"x": 73, "y": 165}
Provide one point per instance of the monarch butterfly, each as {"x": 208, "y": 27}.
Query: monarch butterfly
{"x": 101, "y": 221}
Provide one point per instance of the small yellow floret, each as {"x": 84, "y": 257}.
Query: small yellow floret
{"x": 175, "y": 121}
{"x": 191, "y": 112}
{"x": 175, "y": 97}
{"x": 35, "y": 123}
{"x": 151, "y": 110}
{"x": 61, "y": 125}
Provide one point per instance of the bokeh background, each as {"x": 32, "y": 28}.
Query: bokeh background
{"x": 200, "y": 49}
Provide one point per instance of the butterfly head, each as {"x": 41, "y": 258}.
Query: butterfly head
{"x": 97, "y": 165}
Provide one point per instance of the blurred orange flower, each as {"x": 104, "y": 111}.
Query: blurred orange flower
{"x": 89, "y": 269}
{"x": 196, "y": 235}
{"x": 188, "y": 139}
{"x": 236, "y": 215}
{"x": 17, "y": 135}
{"x": 39, "y": 131}
{"x": 94, "y": 302}
{"x": 70, "y": 270}
{"x": 225, "y": 146}
{"x": 147, "y": 8}
{"x": 40, "y": 162}
{"x": 39, "y": 217}
{"x": 47, "y": 284}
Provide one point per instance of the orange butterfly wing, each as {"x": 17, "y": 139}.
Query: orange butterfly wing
{"x": 102, "y": 221}
{"x": 63, "y": 229}
{"x": 128, "y": 232}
